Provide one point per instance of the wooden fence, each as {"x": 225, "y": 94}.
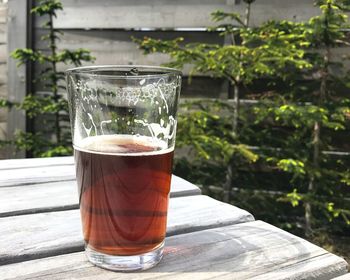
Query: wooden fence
{"x": 106, "y": 26}
{"x": 3, "y": 70}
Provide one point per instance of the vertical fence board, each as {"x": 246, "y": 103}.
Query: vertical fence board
{"x": 16, "y": 32}
{"x": 3, "y": 73}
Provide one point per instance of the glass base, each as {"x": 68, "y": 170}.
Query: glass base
{"x": 125, "y": 263}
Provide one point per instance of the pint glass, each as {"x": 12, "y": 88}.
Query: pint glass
{"x": 123, "y": 122}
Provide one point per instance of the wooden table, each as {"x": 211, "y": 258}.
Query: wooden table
{"x": 40, "y": 234}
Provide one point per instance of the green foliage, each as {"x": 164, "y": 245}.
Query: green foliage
{"x": 219, "y": 16}
{"x": 310, "y": 124}
{"x": 292, "y": 166}
{"x": 26, "y": 55}
{"x": 40, "y": 145}
{"x": 209, "y": 129}
{"x": 267, "y": 50}
{"x": 39, "y": 105}
{"x": 48, "y": 111}
{"x": 47, "y": 7}
{"x": 290, "y": 129}
{"x": 5, "y": 103}
{"x": 75, "y": 57}
{"x": 294, "y": 198}
{"x": 326, "y": 28}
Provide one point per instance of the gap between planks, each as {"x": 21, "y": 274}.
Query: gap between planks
{"x": 31, "y": 236}
{"x": 61, "y": 196}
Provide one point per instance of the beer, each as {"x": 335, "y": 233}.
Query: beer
{"x": 123, "y": 185}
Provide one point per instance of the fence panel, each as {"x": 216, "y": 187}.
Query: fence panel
{"x": 106, "y": 27}
{"x": 3, "y": 73}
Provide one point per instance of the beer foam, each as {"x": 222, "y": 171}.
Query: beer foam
{"x": 130, "y": 145}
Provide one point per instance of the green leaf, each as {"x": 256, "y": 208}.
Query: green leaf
{"x": 57, "y": 151}
{"x": 25, "y": 55}
{"x": 292, "y": 166}
{"x": 221, "y": 15}
{"x": 47, "y": 7}
{"x": 294, "y": 198}
{"x": 75, "y": 57}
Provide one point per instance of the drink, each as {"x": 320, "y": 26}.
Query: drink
{"x": 124, "y": 185}
{"x": 123, "y": 174}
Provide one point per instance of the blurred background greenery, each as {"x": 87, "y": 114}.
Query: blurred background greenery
{"x": 279, "y": 147}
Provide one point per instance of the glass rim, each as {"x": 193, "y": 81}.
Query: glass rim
{"x": 97, "y": 71}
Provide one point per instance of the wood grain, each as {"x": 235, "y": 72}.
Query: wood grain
{"x": 250, "y": 250}
{"x": 38, "y": 198}
{"x": 58, "y": 196}
{"x": 3, "y": 53}
{"x": 3, "y": 33}
{"x": 3, "y": 68}
{"x": 3, "y": 13}
{"x": 136, "y": 14}
{"x": 102, "y": 41}
{"x": 89, "y": 14}
{"x": 35, "y": 162}
{"x": 343, "y": 277}
{"x": 36, "y": 175}
{"x": 297, "y": 10}
{"x": 3, "y": 90}
{"x": 33, "y": 236}
{"x": 3, "y": 116}
{"x": 116, "y": 46}
{"x": 16, "y": 38}
{"x": 322, "y": 267}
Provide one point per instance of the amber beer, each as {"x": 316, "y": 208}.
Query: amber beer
{"x": 123, "y": 120}
{"x": 124, "y": 185}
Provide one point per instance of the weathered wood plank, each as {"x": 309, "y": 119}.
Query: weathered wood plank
{"x": 136, "y": 14}
{"x": 3, "y": 33}
{"x": 33, "y": 236}
{"x": 3, "y": 135}
{"x": 36, "y": 175}
{"x": 3, "y": 13}
{"x": 38, "y": 198}
{"x": 20, "y": 172}
{"x": 3, "y": 116}
{"x": 343, "y": 277}
{"x": 3, "y": 53}
{"x": 116, "y": 46}
{"x": 203, "y": 87}
{"x": 3, "y": 126}
{"x": 244, "y": 251}
{"x": 3, "y": 90}
{"x": 121, "y": 40}
{"x": 328, "y": 266}
{"x": 297, "y": 10}
{"x": 181, "y": 187}
{"x": 3, "y": 72}
{"x": 340, "y": 55}
{"x": 16, "y": 38}
{"x": 57, "y": 196}
{"x": 35, "y": 162}
{"x": 171, "y": 14}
